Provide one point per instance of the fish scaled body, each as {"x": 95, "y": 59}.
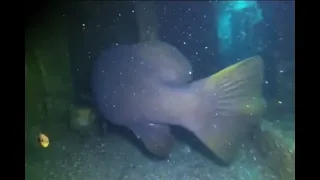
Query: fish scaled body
{"x": 147, "y": 87}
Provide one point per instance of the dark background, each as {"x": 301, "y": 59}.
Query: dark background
{"x": 190, "y": 26}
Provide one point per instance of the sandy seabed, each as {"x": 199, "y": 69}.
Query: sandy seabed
{"x": 115, "y": 158}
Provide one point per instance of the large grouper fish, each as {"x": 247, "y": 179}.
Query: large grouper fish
{"x": 147, "y": 87}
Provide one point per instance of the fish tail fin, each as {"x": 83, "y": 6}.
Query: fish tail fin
{"x": 227, "y": 106}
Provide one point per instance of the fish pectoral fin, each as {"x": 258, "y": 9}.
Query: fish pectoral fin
{"x": 156, "y": 138}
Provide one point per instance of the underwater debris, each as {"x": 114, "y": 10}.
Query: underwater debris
{"x": 277, "y": 149}
{"x": 82, "y": 120}
{"x": 43, "y": 140}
